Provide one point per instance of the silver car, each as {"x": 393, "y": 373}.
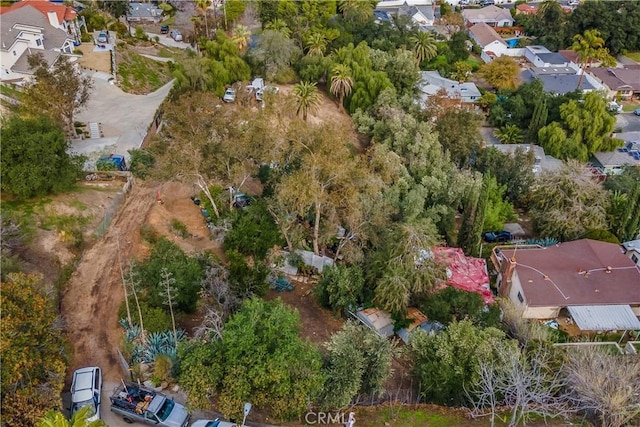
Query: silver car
{"x": 229, "y": 95}
{"x": 176, "y": 35}
{"x": 85, "y": 391}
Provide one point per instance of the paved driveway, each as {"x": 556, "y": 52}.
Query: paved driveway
{"x": 165, "y": 39}
{"x": 628, "y": 122}
{"x": 123, "y": 117}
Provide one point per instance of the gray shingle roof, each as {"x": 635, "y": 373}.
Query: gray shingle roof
{"x": 552, "y": 58}
{"x": 53, "y": 38}
{"x": 485, "y": 34}
{"x": 22, "y": 64}
{"x": 144, "y": 10}
{"x": 559, "y": 84}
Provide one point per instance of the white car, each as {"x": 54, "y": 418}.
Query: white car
{"x": 176, "y": 35}
{"x": 213, "y": 423}
{"x": 229, "y": 95}
{"x": 85, "y": 391}
{"x": 272, "y": 89}
{"x": 574, "y": 2}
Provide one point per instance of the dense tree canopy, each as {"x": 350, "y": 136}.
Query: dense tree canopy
{"x": 34, "y": 158}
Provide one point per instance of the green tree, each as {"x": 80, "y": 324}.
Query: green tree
{"x": 424, "y": 46}
{"x": 275, "y": 53}
{"x": 341, "y": 287}
{"x": 357, "y": 11}
{"x": 509, "y": 134}
{"x": 549, "y": 25}
{"x": 501, "y": 73}
{"x": 264, "y": 361}
{"x": 341, "y": 82}
{"x": 33, "y": 349}
{"x": 450, "y": 305}
{"x": 203, "y": 6}
{"x": 447, "y": 364}
{"x": 590, "y": 46}
{"x": 538, "y": 120}
{"x": 34, "y": 158}
{"x": 241, "y": 35}
{"x": 498, "y": 209}
{"x": 316, "y": 43}
{"x": 359, "y": 361}
{"x": 279, "y": 26}
{"x": 470, "y": 232}
{"x": 515, "y": 171}
{"x": 186, "y": 271}
{"x": 567, "y": 202}
{"x": 79, "y": 419}
{"x": 403, "y": 71}
{"x": 625, "y": 203}
{"x": 58, "y": 92}
{"x": 459, "y": 133}
{"x": 307, "y": 98}
{"x": 116, "y": 8}
{"x": 462, "y": 71}
{"x": 253, "y": 232}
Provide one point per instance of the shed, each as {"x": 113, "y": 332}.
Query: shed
{"x": 604, "y": 317}
{"x": 420, "y": 321}
{"x": 378, "y": 320}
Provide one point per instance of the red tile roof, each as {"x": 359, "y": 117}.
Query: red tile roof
{"x": 465, "y": 273}
{"x": 64, "y": 13}
{"x": 527, "y": 9}
{"x": 582, "y": 272}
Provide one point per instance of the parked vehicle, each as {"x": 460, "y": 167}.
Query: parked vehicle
{"x": 614, "y": 107}
{"x": 139, "y": 404}
{"x": 113, "y": 162}
{"x": 574, "y": 2}
{"x": 487, "y": 3}
{"x": 102, "y": 37}
{"x": 164, "y": 29}
{"x": 497, "y": 236}
{"x": 176, "y": 35}
{"x": 636, "y": 111}
{"x": 229, "y": 95}
{"x": 213, "y": 423}
{"x": 85, "y": 391}
{"x": 261, "y": 92}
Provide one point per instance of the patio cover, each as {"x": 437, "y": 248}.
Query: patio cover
{"x": 604, "y": 317}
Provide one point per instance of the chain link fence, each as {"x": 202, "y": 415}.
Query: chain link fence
{"x": 113, "y": 208}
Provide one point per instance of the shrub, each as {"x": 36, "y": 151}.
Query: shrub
{"x": 162, "y": 369}
{"x": 246, "y": 280}
{"x": 179, "y": 228}
{"x": 254, "y": 232}
{"x": 141, "y": 163}
{"x": 155, "y": 319}
{"x": 148, "y": 234}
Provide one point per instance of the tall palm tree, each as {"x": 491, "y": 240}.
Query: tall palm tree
{"x": 424, "y": 46}
{"x": 357, "y": 11}
{"x": 307, "y": 98}
{"x": 590, "y": 46}
{"x": 316, "y": 44}
{"x": 203, "y": 5}
{"x": 279, "y": 26}
{"x": 341, "y": 82}
{"x": 241, "y": 36}
{"x": 509, "y": 134}
{"x": 79, "y": 419}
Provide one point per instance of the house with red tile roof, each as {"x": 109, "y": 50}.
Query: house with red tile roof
{"x": 591, "y": 281}
{"x": 59, "y": 15}
{"x": 526, "y": 9}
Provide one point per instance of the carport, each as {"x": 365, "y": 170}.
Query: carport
{"x": 604, "y": 317}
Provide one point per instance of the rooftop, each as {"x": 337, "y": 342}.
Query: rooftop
{"x": 629, "y": 154}
{"x": 485, "y": 34}
{"x": 558, "y": 83}
{"x": 632, "y": 245}
{"x": 432, "y": 82}
{"x": 22, "y": 64}
{"x": 543, "y": 162}
{"x": 465, "y": 273}
{"x": 489, "y": 13}
{"x": 581, "y": 272}
{"x": 54, "y": 38}
{"x": 552, "y": 58}
{"x": 44, "y": 7}
{"x": 618, "y": 78}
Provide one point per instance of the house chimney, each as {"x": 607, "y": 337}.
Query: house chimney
{"x": 53, "y": 19}
{"x": 507, "y": 267}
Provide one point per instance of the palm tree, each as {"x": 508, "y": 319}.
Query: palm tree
{"x": 316, "y": 44}
{"x": 79, "y": 419}
{"x": 509, "y": 134}
{"x": 307, "y": 98}
{"x": 279, "y": 26}
{"x": 341, "y": 82}
{"x": 203, "y": 5}
{"x": 424, "y": 46}
{"x": 590, "y": 46}
{"x": 357, "y": 11}
{"x": 241, "y": 36}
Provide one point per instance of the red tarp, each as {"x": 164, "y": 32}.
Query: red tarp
{"x": 465, "y": 273}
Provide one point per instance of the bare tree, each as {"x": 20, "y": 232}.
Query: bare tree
{"x": 167, "y": 283}
{"x": 215, "y": 285}
{"x": 134, "y": 285}
{"x": 211, "y": 327}
{"x": 604, "y": 386}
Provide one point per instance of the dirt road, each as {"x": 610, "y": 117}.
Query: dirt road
{"x": 94, "y": 293}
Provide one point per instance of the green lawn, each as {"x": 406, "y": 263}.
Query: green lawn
{"x": 141, "y": 75}
{"x": 10, "y": 91}
{"x": 633, "y": 55}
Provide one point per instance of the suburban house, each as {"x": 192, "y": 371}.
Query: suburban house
{"x": 421, "y": 12}
{"x": 59, "y": 15}
{"x": 623, "y": 83}
{"x": 632, "y": 250}
{"x": 525, "y": 9}
{"x": 491, "y": 15}
{"x": 613, "y": 162}
{"x": 560, "y": 80}
{"x": 432, "y": 83}
{"x": 25, "y": 31}
{"x": 542, "y": 161}
{"x": 591, "y": 282}
{"x": 541, "y": 57}
{"x": 493, "y": 46}
{"x": 146, "y": 13}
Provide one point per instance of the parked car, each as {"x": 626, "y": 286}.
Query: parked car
{"x": 487, "y": 2}
{"x": 261, "y": 92}
{"x": 636, "y": 111}
{"x": 164, "y": 29}
{"x": 176, "y": 35}
{"x": 229, "y": 95}
{"x": 213, "y": 423}
{"x": 241, "y": 200}
{"x": 85, "y": 391}
{"x": 139, "y": 404}
{"x": 614, "y": 107}
{"x": 497, "y": 236}
{"x": 574, "y": 2}
{"x": 102, "y": 37}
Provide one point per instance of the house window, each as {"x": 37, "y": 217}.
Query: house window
{"x": 520, "y": 297}
{"x": 38, "y": 42}
{"x": 634, "y": 258}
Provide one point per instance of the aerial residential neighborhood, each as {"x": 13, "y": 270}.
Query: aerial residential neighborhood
{"x": 230, "y": 213}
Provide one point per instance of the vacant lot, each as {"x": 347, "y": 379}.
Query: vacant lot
{"x": 95, "y": 61}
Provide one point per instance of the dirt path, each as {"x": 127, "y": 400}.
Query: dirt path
{"x": 94, "y": 293}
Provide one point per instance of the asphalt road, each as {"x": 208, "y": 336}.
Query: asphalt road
{"x": 628, "y": 122}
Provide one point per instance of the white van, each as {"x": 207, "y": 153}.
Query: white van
{"x": 85, "y": 391}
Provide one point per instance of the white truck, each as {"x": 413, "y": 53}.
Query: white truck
{"x": 139, "y": 404}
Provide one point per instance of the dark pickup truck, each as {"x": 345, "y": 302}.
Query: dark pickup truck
{"x": 139, "y": 404}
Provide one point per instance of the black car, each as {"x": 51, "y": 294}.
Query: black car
{"x": 164, "y": 29}
{"x": 498, "y": 236}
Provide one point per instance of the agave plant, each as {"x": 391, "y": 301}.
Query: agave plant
{"x": 544, "y": 242}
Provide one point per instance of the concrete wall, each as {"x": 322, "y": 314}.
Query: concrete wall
{"x": 541, "y": 312}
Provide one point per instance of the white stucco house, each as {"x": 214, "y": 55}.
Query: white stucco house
{"x": 542, "y": 57}
{"x": 491, "y": 15}
{"x": 59, "y": 15}
{"x": 632, "y": 250}
{"x": 592, "y": 282}
{"x": 493, "y": 46}
{"x": 23, "y": 32}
